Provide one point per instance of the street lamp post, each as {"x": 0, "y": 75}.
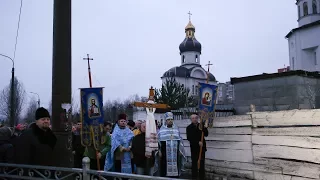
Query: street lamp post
{"x": 12, "y": 122}
{"x": 38, "y": 98}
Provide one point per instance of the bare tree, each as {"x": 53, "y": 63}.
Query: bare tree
{"x": 75, "y": 110}
{"x": 18, "y": 96}
{"x": 112, "y": 108}
{"x": 31, "y": 110}
{"x": 310, "y": 91}
{"x": 50, "y": 107}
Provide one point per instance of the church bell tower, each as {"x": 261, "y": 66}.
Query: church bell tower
{"x": 308, "y": 11}
{"x": 190, "y": 48}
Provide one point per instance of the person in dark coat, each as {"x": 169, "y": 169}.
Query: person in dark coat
{"x": 194, "y": 137}
{"x": 6, "y": 147}
{"x": 77, "y": 148}
{"x": 35, "y": 146}
{"x": 144, "y": 163}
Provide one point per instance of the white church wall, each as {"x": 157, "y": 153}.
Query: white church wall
{"x": 302, "y": 46}
{"x": 303, "y": 20}
{"x": 190, "y": 57}
{"x": 198, "y": 73}
{"x": 309, "y": 19}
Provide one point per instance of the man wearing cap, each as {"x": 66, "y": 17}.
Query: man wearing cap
{"x": 171, "y": 152}
{"x": 35, "y": 145}
{"x": 119, "y": 157}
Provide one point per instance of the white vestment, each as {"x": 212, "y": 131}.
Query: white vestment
{"x": 151, "y": 131}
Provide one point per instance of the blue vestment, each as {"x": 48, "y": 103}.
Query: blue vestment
{"x": 119, "y": 137}
{"x": 174, "y": 150}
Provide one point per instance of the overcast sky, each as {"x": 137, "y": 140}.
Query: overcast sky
{"x": 133, "y": 42}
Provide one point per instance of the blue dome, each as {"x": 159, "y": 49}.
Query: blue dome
{"x": 190, "y": 44}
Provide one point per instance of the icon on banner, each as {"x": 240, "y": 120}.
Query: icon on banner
{"x": 94, "y": 110}
{"x": 206, "y": 97}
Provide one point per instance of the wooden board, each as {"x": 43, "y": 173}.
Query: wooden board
{"x": 232, "y": 121}
{"x": 305, "y": 142}
{"x": 288, "y": 131}
{"x": 241, "y": 166}
{"x": 239, "y": 130}
{"x": 224, "y": 145}
{"x": 229, "y": 121}
{"x": 285, "y": 152}
{"x": 286, "y": 118}
{"x": 270, "y": 176}
{"x": 241, "y": 138}
{"x": 229, "y": 171}
{"x": 226, "y": 154}
{"x": 301, "y": 169}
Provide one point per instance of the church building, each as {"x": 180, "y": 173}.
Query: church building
{"x": 304, "y": 41}
{"x": 190, "y": 72}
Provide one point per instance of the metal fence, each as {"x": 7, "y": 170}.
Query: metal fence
{"x": 19, "y": 171}
{"x": 222, "y": 110}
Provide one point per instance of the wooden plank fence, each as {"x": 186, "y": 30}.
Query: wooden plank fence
{"x": 263, "y": 145}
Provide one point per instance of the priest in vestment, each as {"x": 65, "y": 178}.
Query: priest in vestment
{"x": 171, "y": 152}
{"x": 119, "y": 157}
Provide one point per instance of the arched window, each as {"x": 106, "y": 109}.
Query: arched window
{"x": 197, "y": 58}
{"x": 305, "y": 9}
{"x": 197, "y": 90}
{"x": 192, "y": 89}
{"x": 299, "y": 12}
{"x": 183, "y": 59}
{"x": 314, "y": 7}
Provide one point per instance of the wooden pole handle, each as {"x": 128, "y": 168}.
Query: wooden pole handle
{"x": 98, "y": 161}
{"x": 200, "y": 153}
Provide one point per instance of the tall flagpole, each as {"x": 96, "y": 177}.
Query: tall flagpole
{"x": 89, "y": 69}
{"x": 201, "y": 121}
{"x": 90, "y": 84}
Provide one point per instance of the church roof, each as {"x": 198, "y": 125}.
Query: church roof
{"x": 303, "y": 27}
{"x": 183, "y": 72}
{"x": 190, "y": 44}
{"x": 235, "y": 80}
{"x": 189, "y": 26}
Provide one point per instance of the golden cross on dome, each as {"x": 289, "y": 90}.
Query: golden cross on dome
{"x": 189, "y": 15}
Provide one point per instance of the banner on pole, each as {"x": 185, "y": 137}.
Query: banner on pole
{"x": 207, "y": 101}
{"x": 92, "y": 117}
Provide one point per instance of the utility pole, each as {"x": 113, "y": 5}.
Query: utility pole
{"x": 61, "y": 82}
{"x": 12, "y": 93}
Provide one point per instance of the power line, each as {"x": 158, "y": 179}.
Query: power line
{"x": 15, "y": 45}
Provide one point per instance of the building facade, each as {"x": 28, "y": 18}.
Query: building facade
{"x": 304, "y": 41}
{"x": 278, "y": 91}
{"x": 225, "y": 93}
{"x": 190, "y": 73}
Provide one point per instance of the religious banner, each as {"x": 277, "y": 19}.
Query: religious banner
{"x": 92, "y": 117}
{"x": 207, "y": 102}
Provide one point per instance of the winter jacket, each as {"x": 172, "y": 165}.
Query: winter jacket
{"x": 35, "y": 147}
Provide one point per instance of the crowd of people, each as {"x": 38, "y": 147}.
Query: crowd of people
{"x": 124, "y": 149}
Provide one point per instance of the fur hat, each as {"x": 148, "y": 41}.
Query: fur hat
{"x": 122, "y": 116}
{"x": 42, "y": 113}
{"x": 131, "y": 123}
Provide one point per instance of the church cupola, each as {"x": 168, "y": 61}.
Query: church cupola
{"x": 308, "y": 11}
{"x": 190, "y": 48}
